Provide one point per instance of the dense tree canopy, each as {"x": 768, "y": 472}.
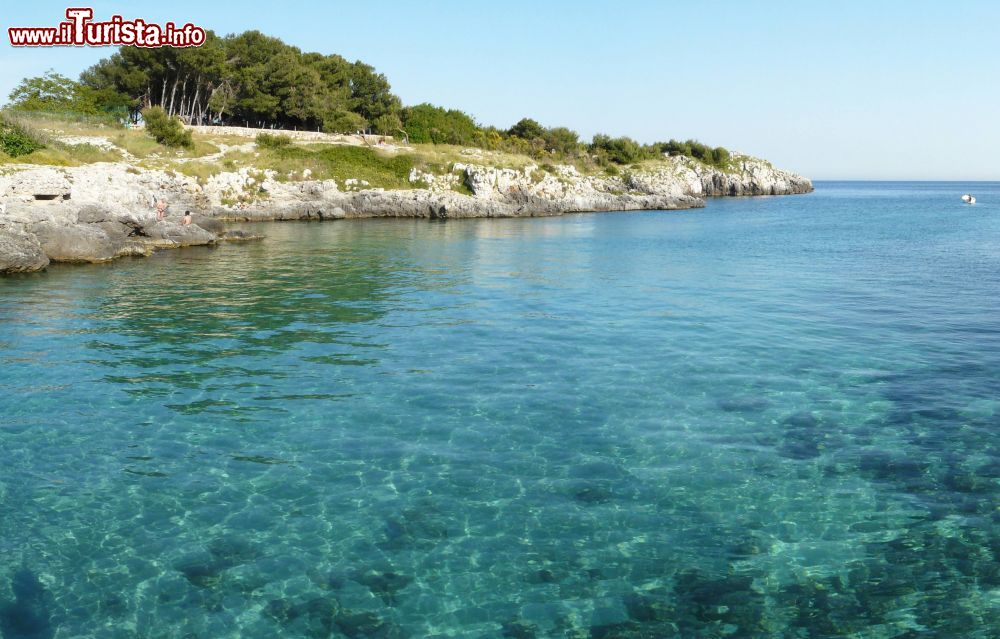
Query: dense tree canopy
{"x": 249, "y": 78}
{"x": 54, "y": 92}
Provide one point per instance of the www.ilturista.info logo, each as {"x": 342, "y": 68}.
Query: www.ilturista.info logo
{"x": 79, "y": 31}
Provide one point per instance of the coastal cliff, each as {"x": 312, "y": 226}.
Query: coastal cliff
{"x": 101, "y": 211}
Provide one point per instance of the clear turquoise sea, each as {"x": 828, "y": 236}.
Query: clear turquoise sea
{"x": 772, "y": 417}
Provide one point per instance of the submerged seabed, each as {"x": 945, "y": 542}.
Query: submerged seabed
{"x": 770, "y": 418}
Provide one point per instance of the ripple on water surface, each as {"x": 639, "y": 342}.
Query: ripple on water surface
{"x": 773, "y": 417}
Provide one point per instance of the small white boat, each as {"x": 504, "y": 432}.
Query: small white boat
{"x": 969, "y": 199}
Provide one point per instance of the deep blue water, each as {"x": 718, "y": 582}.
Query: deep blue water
{"x": 773, "y": 417}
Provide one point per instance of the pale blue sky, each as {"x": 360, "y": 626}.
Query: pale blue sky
{"x": 857, "y": 90}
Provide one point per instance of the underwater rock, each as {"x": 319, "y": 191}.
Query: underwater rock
{"x": 878, "y": 464}
{"x": 29, "y": 616}
{"x": 634, "y": 630}
{"x": 960, "y": 481}
{"x": 542, "y": 576}
{"x": 518, "y": 629}
{"x": 591, "y": 492}
{"x": 600, "y": 481}
{"x": 645, "y": 608}
{"x": 745, "y": 404}
{"x": 200, "y": 570}
{"x": 727, "y": 600}
{"x": 598, "y": 470}
{"x": 113, "y": 606}
{"x": 801, "y": 449}
{"x": 747, "y": 547}
{"x": 413, "y": 528}
{"x": 232, "y": 551}
{"x": 803, "y": 438}
{"x": 367, "y": 625}
{"x": 613, "y": 631}
{"x": 801, "y": 445}
{"x": 384, "y": 585}
{"x": 823, "y": 609}
{"x": 316, "y": 617}
{"x": 802, "y": 419}
{"x": 260, "y": 459}
{"x": 239, "y": 235}
{"x": 204, "y": 569}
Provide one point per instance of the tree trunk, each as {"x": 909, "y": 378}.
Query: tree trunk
{"x": 173, "y": 92}
{"x": 163, "y": 94}
{"x": 180, "y": 107}
{"x": 194, "y": 100}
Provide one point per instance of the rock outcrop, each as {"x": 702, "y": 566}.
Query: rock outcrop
{"x": 753, "y": 177}
{"x": 20, "y": 252}
{"x": 34, "y": 233}
{"x": 66, "y": 242}
{"x": 101, "y": 211}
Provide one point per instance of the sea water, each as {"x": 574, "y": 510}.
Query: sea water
{"x": 772, "y": 417}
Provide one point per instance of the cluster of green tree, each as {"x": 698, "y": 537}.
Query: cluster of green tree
{"x": 258, "y": 80}
{"x": 625, "y": 150}
{"x": 428, "y": 123}
{"x": 718, "y": 156}
{"x": 247, "y": 78}
{"x": 53, "y": 92}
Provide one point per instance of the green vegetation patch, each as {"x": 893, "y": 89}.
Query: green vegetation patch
{"x": 268, "y": 141}
{"x": 18, "y": 138}
{"x": 324, "y": 162}
{"x": 167, "y": 130}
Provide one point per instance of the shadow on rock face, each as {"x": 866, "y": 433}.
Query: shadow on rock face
{"x": 29, "y": 615}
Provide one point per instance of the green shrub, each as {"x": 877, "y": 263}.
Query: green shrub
{"x": 268, "y": 141}
{"x": 427, "y": 123}
{"x": 621, "y": 150}
{"x": 168, "y": 131}
{"x": 343, "y": 122}
{"x": 16, "y": 138}
{"x": 527, "y": 129}
{"x": 388, "y": 124}
{"x": 718, "y": 156}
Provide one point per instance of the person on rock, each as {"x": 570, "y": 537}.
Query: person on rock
{"x": 161, "y": 210}
{"x": 186, "y": 220}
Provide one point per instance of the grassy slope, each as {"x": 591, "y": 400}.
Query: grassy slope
{"x": 386, "y": 168}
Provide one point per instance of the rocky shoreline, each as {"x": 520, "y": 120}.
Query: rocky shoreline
{"x": 102, "y": 211}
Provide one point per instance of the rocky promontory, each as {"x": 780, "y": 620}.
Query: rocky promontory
{"x": 101, "y": 211}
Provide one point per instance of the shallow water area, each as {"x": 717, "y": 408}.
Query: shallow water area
{"x": 772, "y": 417}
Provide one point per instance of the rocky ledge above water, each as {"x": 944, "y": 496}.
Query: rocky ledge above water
{"x": 102, "y": 211}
